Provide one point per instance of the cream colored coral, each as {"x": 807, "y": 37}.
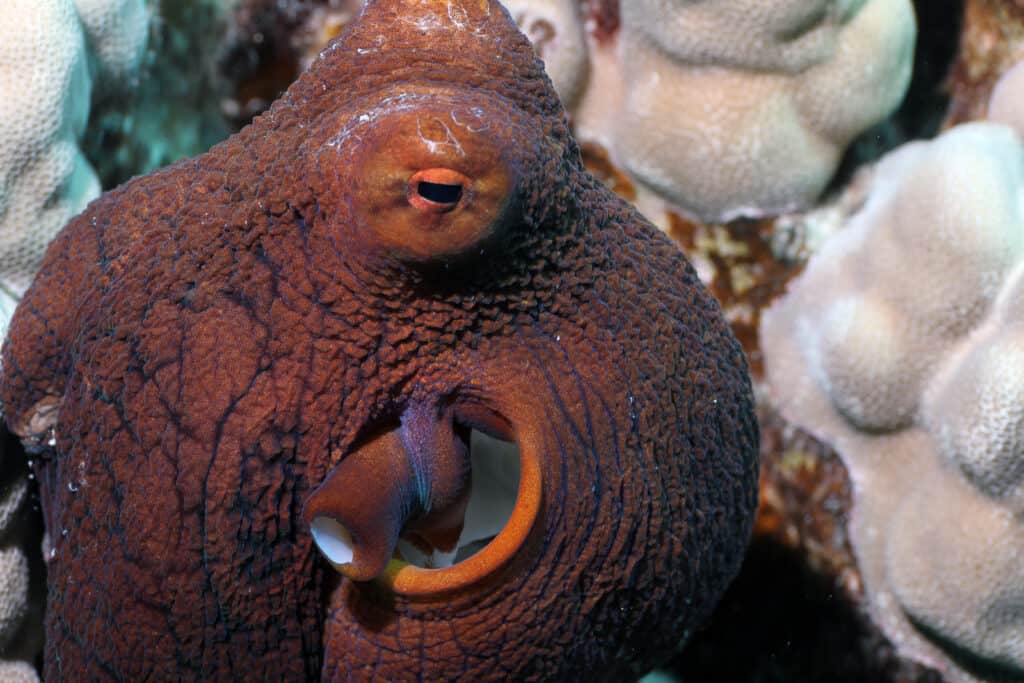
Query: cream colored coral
{"x": 744, "y": 107}
{"x": 20, "y": 615}
{"x": 902, "y": 345}
{"x": 14, "y": 589}
{"x": 556, "y": 30}
{"x": 18, "y": 672}
{"x": 961, "y": 573}
{"x": 116, "y": 32}
{"x": 974, "y": 406}
{"x": 45, "y": 70}
{"x": 45, "y": 178}
{"x": 778, "y": 35}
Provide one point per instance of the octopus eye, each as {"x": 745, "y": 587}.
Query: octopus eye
{"x": 436, "y": 190}
{"x": 439, "y": 193}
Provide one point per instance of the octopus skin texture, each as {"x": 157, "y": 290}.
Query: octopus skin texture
{"x": 288, "y": 342}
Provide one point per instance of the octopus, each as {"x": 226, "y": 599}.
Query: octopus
{"x": 384, "y": 387}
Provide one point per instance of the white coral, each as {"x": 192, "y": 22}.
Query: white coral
{"x": 14, "y": 589}
{"x": 556, "y": 30}
{"x": 902, "y": 345}
{"x": 116, "y": 32}
{"x": 744, "y": 107}
{"x": 20, "y": 616}
{"x": 45, "y": 69}
{"x": 18, "y": 672}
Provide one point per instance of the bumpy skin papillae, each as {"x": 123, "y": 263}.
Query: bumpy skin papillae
{"x": 220, "y": 334}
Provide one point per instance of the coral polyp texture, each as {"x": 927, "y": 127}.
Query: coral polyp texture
{"x": 50, "y": 51}
{"x": 902, "y": 345}
{"x": 115, "y": 35}
{"x": 732, "y": 108}
{"x": 264, "y": 385}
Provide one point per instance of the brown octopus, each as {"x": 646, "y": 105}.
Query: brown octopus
{"x": 329, "y": 331}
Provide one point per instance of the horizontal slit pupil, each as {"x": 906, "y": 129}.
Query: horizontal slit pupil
{"x": 441, "y": 193}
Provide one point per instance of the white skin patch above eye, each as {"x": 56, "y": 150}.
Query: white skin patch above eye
{"x": 457, "y": 17}
{"x": 424, "y": 22}
{"x": 435, "y": 145}
{"x": 389, "y": 105}
{"x": 472, "y": 119}
{"x": 457, "y": 14}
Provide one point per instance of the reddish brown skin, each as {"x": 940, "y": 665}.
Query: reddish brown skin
{"x": 219, "y": 334}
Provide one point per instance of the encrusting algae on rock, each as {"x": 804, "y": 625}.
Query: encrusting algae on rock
{"x": 307, "y": 331}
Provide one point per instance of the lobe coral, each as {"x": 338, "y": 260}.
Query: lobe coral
{"x": 385, "y": 387}
{"x": 725, "y": 108}
{"x": 52, "y": 54}
{"x": 916, "y": 377}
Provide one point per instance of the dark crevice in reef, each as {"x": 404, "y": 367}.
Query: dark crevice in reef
{"x": 782, "y": 622}
{"x": 927, "y": 100}
{"x": 938, "y": 34}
